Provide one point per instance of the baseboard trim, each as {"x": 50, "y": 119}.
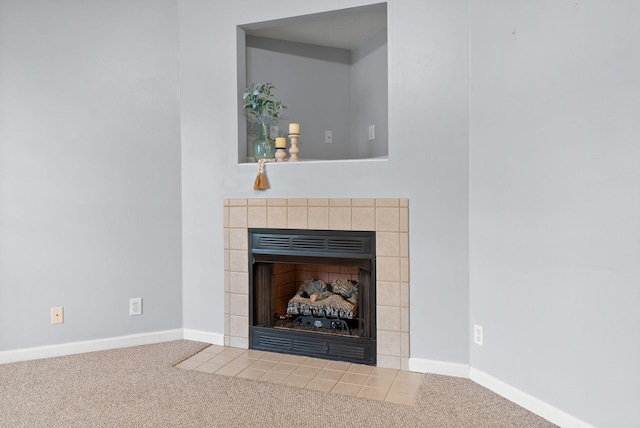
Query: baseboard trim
{"x": 446, "y": 368}
{"x": 89, "y": 346}
{"x": 527, "y": 401}
{"x": 204, "y": 336}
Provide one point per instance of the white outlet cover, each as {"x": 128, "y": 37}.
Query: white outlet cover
{"x": 135, "y": 306}
{"x": 478, "y": 335}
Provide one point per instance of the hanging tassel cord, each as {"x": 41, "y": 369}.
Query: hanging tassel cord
{"x": 261, "y": 182}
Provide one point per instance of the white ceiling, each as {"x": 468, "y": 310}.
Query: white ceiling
{"x": 345, "y": 29}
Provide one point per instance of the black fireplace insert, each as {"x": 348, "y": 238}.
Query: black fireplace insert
{"x": 312, "y": 293}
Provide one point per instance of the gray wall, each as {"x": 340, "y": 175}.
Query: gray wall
{"x": 369, "y": 98}
{"x": 89, "y": 169}
{"x": 555, "y": 202}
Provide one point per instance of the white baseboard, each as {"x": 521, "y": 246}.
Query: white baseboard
{"x": 446, "y": 368}
{"x": 89, "y": 346}
{"x": 527, "y": 401}
{"x": 204, "y": 336}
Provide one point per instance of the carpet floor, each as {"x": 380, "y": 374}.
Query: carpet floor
{"x": 140, "y": 387}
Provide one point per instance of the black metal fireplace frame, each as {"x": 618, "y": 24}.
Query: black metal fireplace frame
{"x": 331, "y": 247}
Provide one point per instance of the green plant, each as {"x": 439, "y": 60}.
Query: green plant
{"x": 259, "y": 102}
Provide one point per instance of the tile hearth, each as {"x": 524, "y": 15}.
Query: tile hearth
{"x": 387, "y": 217}
{"x": 356, "y": 380}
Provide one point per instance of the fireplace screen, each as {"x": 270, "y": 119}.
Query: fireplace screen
{"x": 313, "y": 293}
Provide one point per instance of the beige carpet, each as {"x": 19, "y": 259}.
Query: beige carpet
{"x": 139, "y": 387}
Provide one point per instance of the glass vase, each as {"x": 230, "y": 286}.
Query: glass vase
{"x": 264, "y": 147}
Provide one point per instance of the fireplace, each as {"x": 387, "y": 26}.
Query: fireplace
{"x": 311, "y": 293}
{"x": 387, "y": 217}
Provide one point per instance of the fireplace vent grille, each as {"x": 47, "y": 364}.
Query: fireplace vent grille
{"x": 273, "y": 242}
{"x": 305, "y": 346}
{"x": 348, "y": 245}
{"x": 338, "y": 348}
{"x": 272, "y": 342}
{"x": 308, "y": 243}
{"x": 330, "y": 244}
{"x": 349, "y": 352}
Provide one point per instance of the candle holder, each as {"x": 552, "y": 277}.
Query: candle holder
{"x": 280, "y": 154}
{"x": 294, "y": 150}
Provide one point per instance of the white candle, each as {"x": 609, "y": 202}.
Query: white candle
{"x": 281, "y": 143}
{"x": 294, "y": 128}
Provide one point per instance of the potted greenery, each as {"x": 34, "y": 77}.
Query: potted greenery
{"x": 259, "y": 103}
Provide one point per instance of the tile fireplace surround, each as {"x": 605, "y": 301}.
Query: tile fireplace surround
{"x": 388, "y": 217}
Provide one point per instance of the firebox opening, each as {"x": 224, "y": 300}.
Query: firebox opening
{"x": 312, "y": 297}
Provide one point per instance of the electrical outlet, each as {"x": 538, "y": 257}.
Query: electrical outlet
{"x": 328, "y": 137}
{"x": 57, "y": 315}
{"x": 135, "y": 306}
{"x": 478, "y": 335}
{"x": 372, "y": 132}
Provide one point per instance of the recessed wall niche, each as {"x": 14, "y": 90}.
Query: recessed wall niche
{"x": 330, "y": 70}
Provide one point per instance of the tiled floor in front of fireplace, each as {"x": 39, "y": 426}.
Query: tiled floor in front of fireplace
{"x": 356, "y": 380}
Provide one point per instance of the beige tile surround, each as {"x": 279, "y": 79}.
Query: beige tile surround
{"x": 388, "y": 217}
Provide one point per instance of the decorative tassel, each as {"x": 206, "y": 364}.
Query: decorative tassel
{"x": 261, "y": 182}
